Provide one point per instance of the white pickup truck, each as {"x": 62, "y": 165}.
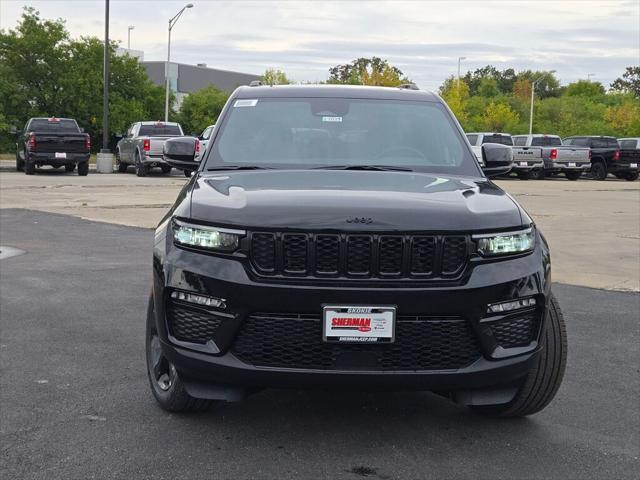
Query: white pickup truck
{"x": 142, "y": 146}
{"x": 526, "y": 161}
{"x": 557, "y": 158}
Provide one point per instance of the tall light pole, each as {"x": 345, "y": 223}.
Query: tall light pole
{"x": 105, "y": 82}
{"x": 129, "y": 28}
{"x": 172, "y": 22}
{"x": 589, "y": 75}
{"x": 458, "y": 83}
{"x": 533, "y": 88}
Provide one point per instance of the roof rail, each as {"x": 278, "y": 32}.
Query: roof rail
{"x": 255, "y": 83}
{"x": 409, "y": 86}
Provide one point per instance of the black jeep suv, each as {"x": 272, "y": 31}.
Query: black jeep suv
{"x": 346, "y": 237}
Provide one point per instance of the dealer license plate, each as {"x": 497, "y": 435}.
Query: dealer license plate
{"x": 358, "y": 324}
{"x": 634, "y": 165}
{"x": 572, "y": 164}
{"x": 61, "y": 155}
{"x": 523, "y": 164}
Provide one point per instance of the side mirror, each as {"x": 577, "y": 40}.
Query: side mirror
{"x": 81, "y": 129}
{"x": 180, "y": 152}
{"x": 498, "y": 159}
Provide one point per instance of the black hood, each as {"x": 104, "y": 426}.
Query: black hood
{"x": 333, "y": 199}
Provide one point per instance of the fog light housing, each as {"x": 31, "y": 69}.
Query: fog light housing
{"x": 201, "y": 300}
{"x": 511, "y": 305}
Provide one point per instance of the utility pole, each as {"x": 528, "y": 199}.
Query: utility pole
{"x": 533, "y": 88}
{"x": 589, "y": 75}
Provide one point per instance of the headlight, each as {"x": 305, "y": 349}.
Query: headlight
{"x": 505, "y": 243}
{"x": 201, "y": 236}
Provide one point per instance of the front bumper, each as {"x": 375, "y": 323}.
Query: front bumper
{"x": 218, "y": 363}
{"x": 49, "y": 158}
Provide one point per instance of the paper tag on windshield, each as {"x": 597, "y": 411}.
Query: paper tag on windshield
{"x": 246, "y": 103}
{"x": 332, "y": 119}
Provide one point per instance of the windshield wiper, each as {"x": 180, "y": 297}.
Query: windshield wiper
{"x": 237, "y": 167}
{"x": 375, "y": 168}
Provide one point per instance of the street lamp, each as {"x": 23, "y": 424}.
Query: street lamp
{"x": 589, "y": 75}
{"x": 129, "y": 28}
{"x": 533, "y": 88}
{"x": 459, "y": 60}
{"x": 172, "y": 22}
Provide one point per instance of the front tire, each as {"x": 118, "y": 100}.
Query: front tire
{"x": 631, "y": 177}
{"x": 122, "y": 167}
{"x": 573, "y": 176}
{"x": 165, "y": 169}
{"x": 539, "y": 175}
{"x": 70, "y": 167}
{"x": 19, "y": 163}
{"x": 545, "y": 377}
{"x": 524, "y": 175}
{"x": 166, "y": 386}
{"x": 187, "y": 173}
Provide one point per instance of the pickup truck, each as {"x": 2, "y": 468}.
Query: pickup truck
{"x": 571, "y": 161}
{"x": 52, "y": 141}
{"x": 142, "y": 146}
{"x": 526, "y": 161}
{"x": 607, "y": 157}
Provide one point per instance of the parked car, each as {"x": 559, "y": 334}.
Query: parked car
{"x": 142, "y": 145}
{"x": 558, "y": 158}
{"x": 629, "y": 143}
{"x": 346, "y": 237}
{"x": 526, "y": 161}
{"x": 606, "y": 157}
{"x": 205, "y": 136}
{"x": 58, "y": 142}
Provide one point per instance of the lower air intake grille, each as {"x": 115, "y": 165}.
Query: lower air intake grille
{"x": 295, "y": 341}
{"x": 518, "y": 332}
{"x": 191, "y": 324}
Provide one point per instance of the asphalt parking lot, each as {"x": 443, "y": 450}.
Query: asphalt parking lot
{"x": 76, "y": 404}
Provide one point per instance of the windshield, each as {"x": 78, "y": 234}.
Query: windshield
{"x": 498, "y": 138}
{"x": 324, "y": 132}
{"x": 160, "y": 130}
{"x": 56, "y": 125}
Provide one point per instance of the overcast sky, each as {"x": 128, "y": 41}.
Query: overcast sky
{"x": 423, "y": 38}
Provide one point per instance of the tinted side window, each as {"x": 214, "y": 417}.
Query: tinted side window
{"x": 578, "y": 142}
{"x": 520, "y": 141}
{"x": 628, "y": 144}
{"x": 472, "y": 139}
{"x": 606, "y": 142}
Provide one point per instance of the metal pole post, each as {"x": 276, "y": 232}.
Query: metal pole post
{"x": 105, "y": 81}
{"x": 166, "y": 74}
{"x": 533, "y": 86}
{"x": 128, "y": 38}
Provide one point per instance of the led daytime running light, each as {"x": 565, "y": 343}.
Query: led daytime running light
{"x": 511, "y": 305}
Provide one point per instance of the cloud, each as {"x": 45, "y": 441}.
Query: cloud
{"x": 423, "y": 38}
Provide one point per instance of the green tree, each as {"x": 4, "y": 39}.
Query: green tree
{"x": 275, "y": 77}
{"x": 584, "y": 88}
{"x": 367, "y": 71}
{"x": 201, "y": 109}
{"x": 488, "y": 87}
{"x": 499, "y": 117}
{"x": 456, "y": 92}
{"x": 44, "y": 72}
{"x": 629, "y": 82}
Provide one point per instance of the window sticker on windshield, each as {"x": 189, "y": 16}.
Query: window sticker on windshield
{"x": 332, "y": 119}
{"x": 246, "y": 103}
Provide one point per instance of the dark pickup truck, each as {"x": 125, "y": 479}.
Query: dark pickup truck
{"x": 52, "y": 141}
{"x": 607, "y": 157}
